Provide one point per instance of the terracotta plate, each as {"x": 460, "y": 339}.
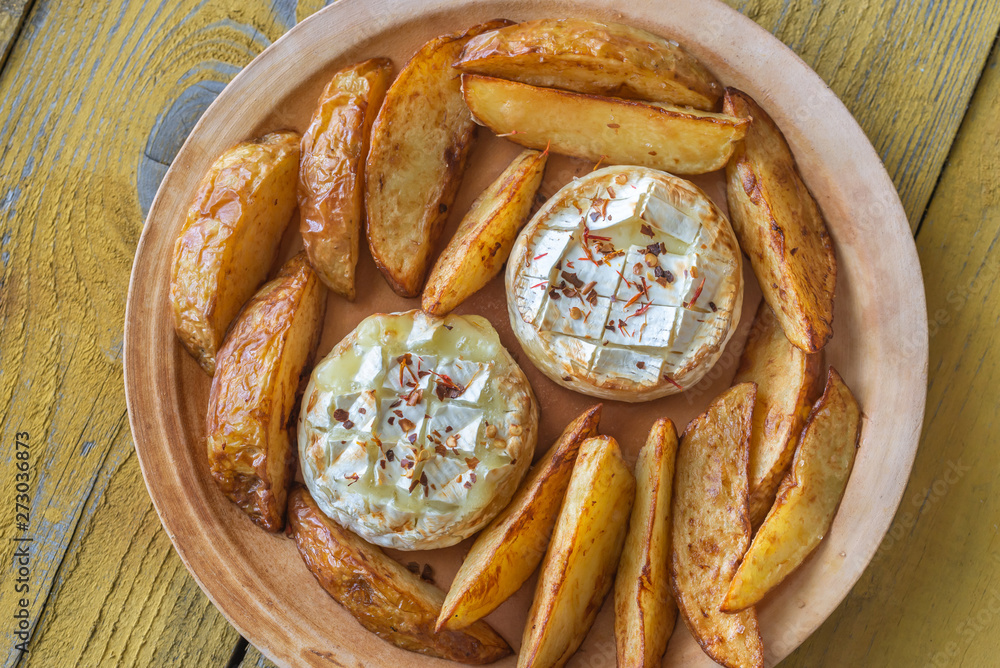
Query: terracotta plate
{"x": 258, "y": 580}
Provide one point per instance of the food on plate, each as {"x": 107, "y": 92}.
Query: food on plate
{"x": 332, "y": 176}
{"x": 625, "y": 285}
{"x": 415, "y": 431}
{"x": 807, "y": 499}
{"x": 645, "y": 611}
{"x": 593, "y": 57}
{"x": 507, "y": 552}
{"x": 484, "y": 238}
{"x": 579, "y": 566}
{"x": 781, "y": 228}
{"x": 787, "y": 379}
{"x": 388, "y": 600}
{"x": 250, "y": 454}
{"x": 609, "y": 130}
{"x": 230, "y": 239}
{"x": 711, "y": 527}
{"x": 419, "y": 145}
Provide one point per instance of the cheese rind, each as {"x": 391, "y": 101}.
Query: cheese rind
{"x": 627, "y": 284}
{"x": 415, "y": 431}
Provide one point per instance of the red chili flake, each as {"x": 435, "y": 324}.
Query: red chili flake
{"x": 398, "y": 413}
{"x": 539, "y": 257}
{"x": 440, "y": 449}
{"x": 467, "y": 485}
{"x": 641, "y": 365}
{"x": 449, "y": 327}
{"x": 348, "y": 424}
{"x": 712, "y": 306}
{"x": 569, "y": 264}
{"x": 614, "y": 126}
{"x": 427, "y": 575}
{"x": 390, "y": 455}
{"x": 423, "y": 374}
{"x": 654, "y": 249}
{"x": 340, "y": 415}
{"x": 414, "y": 397}
{"x": 794, "y": 251}
{"x": 448, "y": 429}
{"x": 472, "y": 476}
{"x": 413, "y": 485}
{"x": 610, "y": 326}
{"x": 669, "y": 276}
{"x": 382, "y": 463}
{"x": 568, "y": 378}
{"x": 353, "y": 478}
{"x": 672, "y": 382}
{"x": 538, "y": 285}
{"x": 611, "y": 191}
{"x": 599, "y": 238}
{"x": 391, "y": 419}
{"x": 697, "y": 293}
{"x": 406, "y": 425}
{"x": 573, "y": 279}
{"x": 594, "y": 216}
{"x": 471, "y": 462}
{"x": 553, "y": 295}
{"x": 413, "y": 567}
{"x": 395, "y": 403}
{"x": 647, "y": 230}
{"x": 412, "y": 438}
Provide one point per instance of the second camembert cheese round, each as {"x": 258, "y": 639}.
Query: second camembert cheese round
{"x": 626, "y": 285}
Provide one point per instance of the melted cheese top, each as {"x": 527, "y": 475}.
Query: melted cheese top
{"x": 404, "y": 433}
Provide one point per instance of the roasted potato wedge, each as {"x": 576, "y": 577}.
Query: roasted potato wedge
{"x": 645, "y": 611}
{"x": 332, "y": 170}
{"x": 254, "y": 389}
{"x": 388, "y": 600}
{"x": 593, "y": 57}
{"x": 787, "y": 378}
{"x": 780, "y": 228}
{"x": 230, "y": 239}
{"x": 507, "y": 551}
{"x": 808, "y": 498}
{"x": 579, "y": 566}
{"x": 606, "y": 129}
{"x": 711, "y": 527}
{"x": 419, "y": 145}
{"x": 483, "y": 240}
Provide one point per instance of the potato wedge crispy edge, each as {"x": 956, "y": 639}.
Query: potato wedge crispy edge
{"x": 419, "y": 146}
{"x": 332, "y": 170}
{"x": 596, "y": 58}
{"x": 610, "y": 130}
{"x": 579, "y": 566}
{"x": 250, "y": 453}
{"x": 507, "y": 552}
{"x": 230, "y": 239}
{"x": 711, "y": 528}
{"x": 388, "y": 600}
{"x": 788, "y": 382}
{"x": 484, "y": 238}
{"x": 645, "y": 611}
{"x": 781, "y": 228}
{"x": 808, "y": 498}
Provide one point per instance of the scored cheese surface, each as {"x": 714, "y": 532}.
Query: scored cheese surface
{"x": 626, "y": 285}
{"x": 415, "y": 431}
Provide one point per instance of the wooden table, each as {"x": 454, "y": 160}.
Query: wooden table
{"x": 95, "y": 100}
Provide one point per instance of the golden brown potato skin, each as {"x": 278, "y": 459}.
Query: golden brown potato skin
{"x": 579, "y": 566}
{"x": 608, "y": 130}
{"x": 419, "y": 145}
{"x": 506, "y": 553}
{"x": 483, "y": 240}
{"x": 781, "y": 228}
{"x": 593, "y": 57}
{"x": 788, "y": 380}
{"x": 711, "y": 528}
{"x": 332, "y": 171}
{"x": 388, "y": 600}
{"x": 254, "y": 390}
{"x": 230, "y": 239}
{"x": 808, "y": 498}
{"x": 645, "y": 611}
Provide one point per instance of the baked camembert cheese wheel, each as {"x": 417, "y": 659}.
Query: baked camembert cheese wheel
{"x": 627, "y": 284}
{"x": 415, "y": 431}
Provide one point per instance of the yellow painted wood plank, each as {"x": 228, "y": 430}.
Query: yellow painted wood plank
{"x": 255, "y": 659}
{"x": 11, "y": 15}
{"x": 906, "y": 70}
{"x": 932, "y": 595}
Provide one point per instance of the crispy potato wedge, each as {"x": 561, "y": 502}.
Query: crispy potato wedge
{"x": 606, "y": 129}
{"x": 332, "y": 170}
{"x": 808, "y": 498}
{"x": 509, "y": 549}
{"x": 781, "y": 228}
{"x": 230, "y": 239}
{"x": 787, "y": 384}
{"x": 254, "y": 390}
{"x": 388, "y": 600}
{"x": 419, "y": 145}
{"x": 593, "y": 57}
{"x": 580, "y": 564}
{"x": 711, "y": 527}
{"x": 483, "y": 240}
{"x": 645, "y": 611}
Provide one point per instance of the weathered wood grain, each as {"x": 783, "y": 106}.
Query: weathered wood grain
{"x": 12, "y": 14}
{"x": 98, "y": 98}
{"x": 931, "y": 597}
{"x": 254, "y": 659}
